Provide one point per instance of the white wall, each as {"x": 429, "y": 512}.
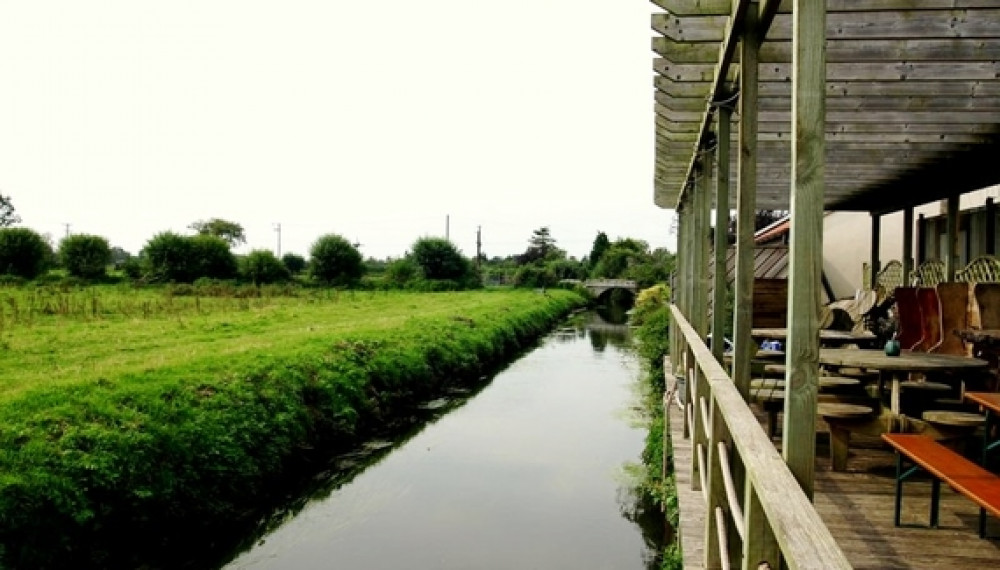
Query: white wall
{"x": 847, "y": 239}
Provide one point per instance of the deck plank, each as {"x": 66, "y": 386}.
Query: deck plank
{"x": 857, "y": 506}
{"x": 691, "y": 503}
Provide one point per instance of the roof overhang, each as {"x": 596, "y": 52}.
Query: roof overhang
{"x": 912, "y": 98}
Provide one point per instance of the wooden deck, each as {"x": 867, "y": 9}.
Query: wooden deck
{"x": 857, "y": 507}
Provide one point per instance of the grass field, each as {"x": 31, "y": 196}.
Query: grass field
{"x": 148, "y": 418}
{"x": 205, "y": 335}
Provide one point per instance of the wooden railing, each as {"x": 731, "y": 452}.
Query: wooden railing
{"x": 773, "y": 519}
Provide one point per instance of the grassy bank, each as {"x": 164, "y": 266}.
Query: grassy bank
{"x": 128, "y": 431}
{"x": 652, "y": 317}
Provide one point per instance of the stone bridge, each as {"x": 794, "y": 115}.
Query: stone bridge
{"x": 598, "y": 287}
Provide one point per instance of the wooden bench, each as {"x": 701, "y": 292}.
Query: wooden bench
{"x": 961, "y": 474}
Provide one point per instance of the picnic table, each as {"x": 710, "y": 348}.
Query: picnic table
{"x": 898, "y": 366}
{"x": 826, "y": 337}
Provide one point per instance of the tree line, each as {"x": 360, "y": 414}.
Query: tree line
{"x": 431, "y": 262}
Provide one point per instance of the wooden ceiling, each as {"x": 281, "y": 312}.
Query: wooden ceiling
{"x": 912, "y": 97}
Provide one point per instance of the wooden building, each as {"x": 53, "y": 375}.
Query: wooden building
{"x": 810, "y": 106}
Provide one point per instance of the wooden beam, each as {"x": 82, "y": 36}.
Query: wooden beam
{"x": 806, "y": 241}
{"x": 718, "y": 90}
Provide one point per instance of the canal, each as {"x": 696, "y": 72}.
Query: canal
{"x": 530, "y": 471}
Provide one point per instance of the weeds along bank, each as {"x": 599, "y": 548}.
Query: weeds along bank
{"x": 652, "y": 333}
{"x": 129, "y": 434}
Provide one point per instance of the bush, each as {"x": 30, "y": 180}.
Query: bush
{"x": 212, "y": 257}
{"x": 439, "y": 259}
{"x": 168, "y": 257}
{"x": 402, "y": 271}
{"x": 293, "y": 263}
{"x": 261, "y": 266}
{"x": 23, "y": 253}
{"x": 335, "y": 261}
{"x": 535, "y": 276}
{"x": 85, "y": 256}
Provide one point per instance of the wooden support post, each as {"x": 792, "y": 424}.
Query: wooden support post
{"x": 921, "y": 240}
{"x": 876, "y": 264}
{"x": 760, "y": 544}
{"x": 701, "y": 213}
{"x": 721, "y": 246}
{"x": 951, "y": 240}
{"x": 991, "y": 227}
{"x": 677, "y": 292}
{"x": 806, "y": 247}
{"x": 907, "y": 260}
{"x": 746, "y": 206}
{"x": 685, "y": 252}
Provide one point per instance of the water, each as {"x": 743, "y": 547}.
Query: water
{"x": 528, "y": 473}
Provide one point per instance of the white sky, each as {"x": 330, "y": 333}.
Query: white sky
{"x": 373, "y": 120}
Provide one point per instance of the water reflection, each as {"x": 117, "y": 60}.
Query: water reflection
{"x": 522, "y": 475}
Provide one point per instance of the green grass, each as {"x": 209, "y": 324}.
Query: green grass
{"x": 138, "y": 420}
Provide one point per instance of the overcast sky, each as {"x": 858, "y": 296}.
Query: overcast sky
{"x": 374, "y": 120}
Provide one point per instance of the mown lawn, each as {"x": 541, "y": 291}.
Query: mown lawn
{"x": 134, "y": 423}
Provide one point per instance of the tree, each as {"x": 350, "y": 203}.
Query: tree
{"x": 231, "y": 232}
{"x": 212, "y": 258}
{"x": 23, "y": 253}
{"x": 261, "y": 266}
{"x": 541, "y": 247}
{"x": 335, "y": 261}
{"x": 85, "y": 256}
{"x": 601, "y": 244}
{"x": 119, "y": 256}
{"x": 293, "y": 263}
{"x": 623, "y": 254}
{"x": 7, "y": 216}
{"x": 439, "y": 259}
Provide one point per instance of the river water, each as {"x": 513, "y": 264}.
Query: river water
{"x": 529, "y": 472}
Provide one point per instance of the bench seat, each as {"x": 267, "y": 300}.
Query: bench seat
{"x": 961, "y": 474}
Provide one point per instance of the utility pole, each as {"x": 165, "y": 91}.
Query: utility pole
{"x": 447, "y": 226}
{"x": 67, "y": 228}
{"x": 479, "y": 246}
{"x": 277, "y": 230}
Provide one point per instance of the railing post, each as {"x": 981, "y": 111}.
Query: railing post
{"x": 717, "y": 492}
{"x": 759, "y": 545}
{"x": 698, "y": 440}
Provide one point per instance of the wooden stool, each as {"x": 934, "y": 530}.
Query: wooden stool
{"x": 774, "y": 370}
{"x": 855, "y": 372}
{"x": 954, "y": 427}
{"x": 954, "y": 419}
{"x": 772, "y": 401}
{"x": 840, "y": 417}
